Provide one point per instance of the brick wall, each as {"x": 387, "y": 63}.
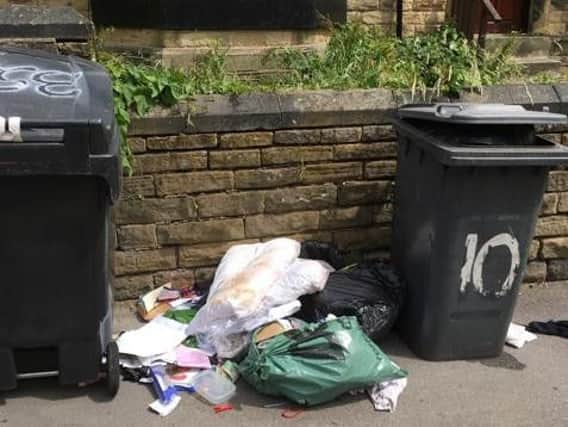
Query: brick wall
{"x": 321, "y": 167}
{"x": 419, "y": 15}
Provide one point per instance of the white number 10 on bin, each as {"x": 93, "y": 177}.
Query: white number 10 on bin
{"x": 472, "y": 270}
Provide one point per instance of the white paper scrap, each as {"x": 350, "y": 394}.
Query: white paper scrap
{"x": 518, "y": 336}
{"x": 160, "y": 336}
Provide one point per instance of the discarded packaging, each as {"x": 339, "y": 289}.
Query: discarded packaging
{"x": 159, "y": 336}
{"x": 192, "y": 358}
{"x": 158, "y": 310}
{"x": 385, "y": 395}
{"x": 518, "y": 336}
{"x": 256, "y": 290}
{"x": 149, "y": 300}
{"x": 163, "y": 388}
{"x": 230, "y": 370}
{"x": 165, "y": 409}
{"x": 168, "y": 294}
{"x": 213, "y": 387}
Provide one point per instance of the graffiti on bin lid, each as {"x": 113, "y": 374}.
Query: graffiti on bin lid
{"x": 45, "y": 82}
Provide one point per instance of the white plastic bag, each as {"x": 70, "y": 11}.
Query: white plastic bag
{"x": 250, "y": 281}
{"x": 245, "y": 275}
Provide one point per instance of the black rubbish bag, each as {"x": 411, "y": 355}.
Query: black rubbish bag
{"x": 371, "y": 291}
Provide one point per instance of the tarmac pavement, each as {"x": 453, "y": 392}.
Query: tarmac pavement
{"x": 523, "y": 387}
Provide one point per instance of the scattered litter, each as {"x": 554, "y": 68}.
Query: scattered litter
{"x": 163, "y": 388}
{"x": 165, "y": 409}
{"x": 148, "y": 301}
{"x": 275, "y": 405}
{"x": 179, "y": 302}
{"x": 160, "y": 336}
{"x": 130, "y": 362}
{"x": 371, "y": 291}
{"x": 158, "y": 359}
{"x": 558, "y": 328}
{"x": 385, "y": 395}
{"x": 213, "y": 387}
{"x": 138, "y": 375}
{"x": 350, "y": 358}
{"x": 518, "y": 336}
{"x": 292, "y": 413}
{"x": 168, "y": 294}
{"x": 187, "y": 357}
{"x": 251, "y": 280}
{"x": 278, "y": 327}
{"x": 230, "y": 370}
{"x": 158, "y": 310}
{"x": 245, "y": 327}
{"x": 223, "y": 407}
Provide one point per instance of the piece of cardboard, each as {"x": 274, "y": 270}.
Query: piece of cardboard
{"x": 158, "y": 310}
{"x": 270, "y": 331}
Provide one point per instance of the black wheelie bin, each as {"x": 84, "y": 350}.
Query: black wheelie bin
{"x": 59, "y": 175}
{"x": 469, "y": 187}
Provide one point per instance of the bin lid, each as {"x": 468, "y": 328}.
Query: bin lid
{"x": 490, "y": 114}
{"x": 57, "y": 117}
{"x": 38, "y": 86}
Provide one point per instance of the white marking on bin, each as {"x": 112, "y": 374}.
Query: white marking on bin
{"x": 472, "y": 270}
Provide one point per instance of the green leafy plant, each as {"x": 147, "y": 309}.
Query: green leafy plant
{"x": 357, "y": 57}
{"x": 440, "y": 62}
{"x": 137, "y": 88}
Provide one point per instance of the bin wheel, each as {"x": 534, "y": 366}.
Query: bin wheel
{"x": 112, "y": 369}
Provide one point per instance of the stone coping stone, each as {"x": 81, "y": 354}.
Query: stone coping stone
{"x": 60, "y": 23}
{"x": 323, "y": 108}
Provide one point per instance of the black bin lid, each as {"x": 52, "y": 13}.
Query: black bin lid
{"x": 57, "y": 114}
{"x": 481, "y": 134}
{"x": 481, "y": 114}
{"x": 41, "y": 87}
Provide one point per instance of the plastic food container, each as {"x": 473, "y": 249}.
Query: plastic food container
{"x": 214, "y": 387}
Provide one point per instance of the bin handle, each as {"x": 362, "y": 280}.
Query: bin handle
{"x": 447, "y": 111}
{"x": 10, "y": 129}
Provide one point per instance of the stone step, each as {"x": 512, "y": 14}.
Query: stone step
{"x": 537, "y": 64}
{"x": 42, "y": 22}
{"x": 244, "y": 60}
{"x": 524, "y": 46}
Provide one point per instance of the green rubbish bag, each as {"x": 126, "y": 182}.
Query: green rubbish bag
{"x": 317, "y": 363}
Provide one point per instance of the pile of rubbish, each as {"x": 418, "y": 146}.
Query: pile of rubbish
{"x": 293, "y": 320}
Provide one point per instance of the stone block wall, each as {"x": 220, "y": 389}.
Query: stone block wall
{"x": 550, "y": 17}
{"x": 315, "y": 165}
{"x": 193, "y": 196}
{"x": 419, "y": 15}
{"x": 81, "y": 6}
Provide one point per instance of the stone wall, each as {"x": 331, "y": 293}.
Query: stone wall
{"x": 314, "y": 165}
{"x": 550, "y": 17}
{"x": 419, "y": 15}
{"x": 80, "y": 5}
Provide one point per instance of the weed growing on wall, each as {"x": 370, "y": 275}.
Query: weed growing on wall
{"x": 441, "y": 62}
{"x": 139, "y": 87}
{"x": 357, "y": 57}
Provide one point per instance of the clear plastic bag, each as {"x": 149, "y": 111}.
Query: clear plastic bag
{"x": 249, "y": 283}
